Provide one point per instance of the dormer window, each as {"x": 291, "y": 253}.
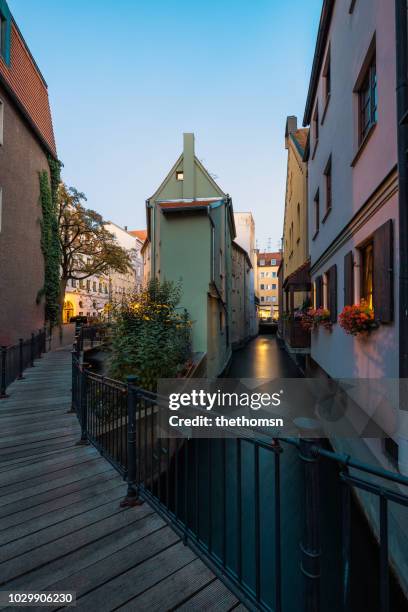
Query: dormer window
{"x": 179, "y": 175}
{"x": 5, "y": 32}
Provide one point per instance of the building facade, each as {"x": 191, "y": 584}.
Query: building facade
{"x": 354, "y": 213}
{"x": 245, "y": 238}
{"x": 91, "y": 297}
{"x": 268, "y": 285}
{"x": 243, "y": 308}
{"x": 26, "y": 143}
{"x": 190, "y": 232}
{"x": 295, "y": 273}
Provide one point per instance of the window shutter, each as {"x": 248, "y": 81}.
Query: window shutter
{"x": 319, "y": 292}
{"x": 332, "y": 296}
{"x": 349, "y": 279}
{"x": 383, "y": 286}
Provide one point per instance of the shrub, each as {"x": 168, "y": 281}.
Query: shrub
{"x": 315, "y": 317}
{"x": 150, "y": 337}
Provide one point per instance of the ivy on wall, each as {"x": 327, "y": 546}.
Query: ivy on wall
{"x": 50, "y": 240}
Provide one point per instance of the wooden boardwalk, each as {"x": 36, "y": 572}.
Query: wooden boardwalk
{"x": 61, "y": 527}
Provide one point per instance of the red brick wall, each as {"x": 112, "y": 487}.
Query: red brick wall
{"x": 23, "y": 78}
{"x": 21, "y": 259}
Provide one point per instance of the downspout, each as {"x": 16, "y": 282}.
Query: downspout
{"x": 402, "y": 132}
{"x": 152, "y": 240}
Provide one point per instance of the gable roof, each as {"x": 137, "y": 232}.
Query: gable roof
{"x": 24, "y": 83}
{"x": 300, "y": 138}
{"x": 141, "y": 234}
{"x": 268, "y": 257}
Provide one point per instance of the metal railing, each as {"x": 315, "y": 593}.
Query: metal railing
{"x": 15, "y": 359}
{"x": 224, "y": 497}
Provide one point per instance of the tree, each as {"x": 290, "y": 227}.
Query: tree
{"x": 86, "y": 246}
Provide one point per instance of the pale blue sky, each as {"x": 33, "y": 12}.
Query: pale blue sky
{"x": 127, "y": 77}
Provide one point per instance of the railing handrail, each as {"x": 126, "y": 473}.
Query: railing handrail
{"x": 143, "y": 461}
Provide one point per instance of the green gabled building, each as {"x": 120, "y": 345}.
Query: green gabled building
{"x": 190, "y": 225}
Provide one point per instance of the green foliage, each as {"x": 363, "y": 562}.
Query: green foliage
{"x": 150, "y": 337}
{"x": 50, "y": 241}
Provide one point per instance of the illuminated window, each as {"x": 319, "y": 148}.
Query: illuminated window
{"x": 367, "y": 273}
{"x": 180, "y": 175}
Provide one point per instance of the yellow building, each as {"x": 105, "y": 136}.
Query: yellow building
{"x": 268, "y": 285}
{"x": 295, "y": 292}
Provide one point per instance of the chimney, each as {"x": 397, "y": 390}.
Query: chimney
{"x": 126, "y": 228}
{"x": 291, "y": 127}
{"x": 188, "y": 166}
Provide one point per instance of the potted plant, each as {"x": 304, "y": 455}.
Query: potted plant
{"x": 313, "y": 318}
{"x": 358, "y": 319}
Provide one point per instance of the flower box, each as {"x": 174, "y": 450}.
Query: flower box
{"x": 358, "y": 319}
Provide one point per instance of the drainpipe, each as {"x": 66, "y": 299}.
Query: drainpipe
{"x": 402, "y": 133}
{"x": 152, "y": 240}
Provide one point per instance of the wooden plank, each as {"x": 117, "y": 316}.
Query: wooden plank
{"x": 76, "y": 569}
{"x": 97, "y": 466}
{"x": 47, "y": 466}
{"x": 42, "y": 555}
{"x": 60, "y": 472}
{"x": 22, "y": 450}
{"x": 116, "y": 490}
{"x": 213, "y": 598}
{"x": 77, "y": 486}
{"x": 52, "y": 533}
{"x": 38, "y": 456}
{"x": 119, "y": 590}
{"x": 89, "y": 490}
{"x": 173, "y": 590}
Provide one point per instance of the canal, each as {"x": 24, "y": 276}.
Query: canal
{"x": 264, "y": 358}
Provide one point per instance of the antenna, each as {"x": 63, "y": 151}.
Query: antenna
{"x": 269, "y": 244}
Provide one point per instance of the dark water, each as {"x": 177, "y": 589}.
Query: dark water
{"x": 264, "y": 358}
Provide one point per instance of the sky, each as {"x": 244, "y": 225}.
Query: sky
{"x": 126, "y": 78}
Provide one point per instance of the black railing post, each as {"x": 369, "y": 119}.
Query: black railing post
{"x": 20, "y": 359}
{"x": 132, "y": 495}
{"x": 39, "y": 344}
{"x": 3, "y": 353}
{"x": 74, "y": 381}
{"x": 32, "y": 348}
{"x": 83, "y": 405}
{"x": 310, "y": 545}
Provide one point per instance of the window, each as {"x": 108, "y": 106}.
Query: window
{"x": 94, "y": 286}
{"x": 331, "y": 292}
{"x": 100, "y": 287}
{"x": 327, "y": 78}
{"x": 106, "y": 288}
{"x": 328, "y": 180}
{"x": 262, "y": 275}
{"x": 273, "y": 298}
{"x": 274, "y": 287}
{"x": 262, "y": 287}
{"x": 1, "y": 121}
{"x": 273, "y": 261}
{"x": 273, "y": 274}
{"x": 368, "y": 100}
{"x": 81, "y": 284}
{"x": 316, "y": 124}
{"x": 298, "y": 222}
{"x": 88, "y": 285}
{"x": 3, "y": 37}
{"x": 262, "y": 262}
{"x": 317, "y": 213}
{"x": 73, "y": 282}
{"x": 367, "y": 260}
{"x": 179, "y": 175}
{"x": 262, "y": 298}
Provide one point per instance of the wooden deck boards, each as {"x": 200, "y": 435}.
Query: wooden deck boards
{"x": 61, "y": 526}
